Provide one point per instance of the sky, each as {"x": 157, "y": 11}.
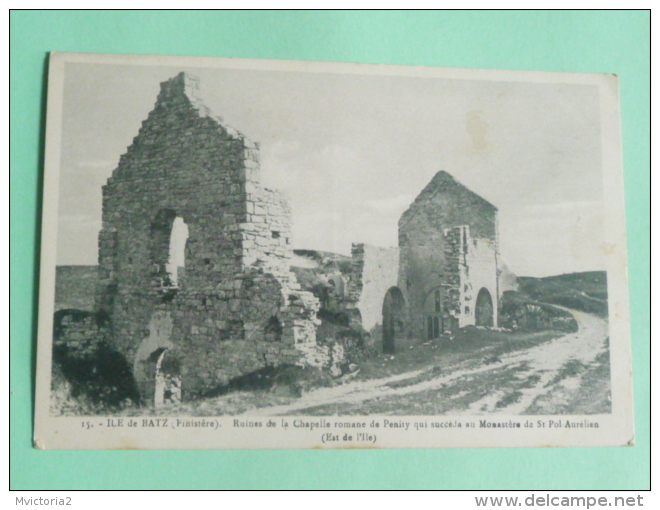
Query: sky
{"x": 353, "y": 151}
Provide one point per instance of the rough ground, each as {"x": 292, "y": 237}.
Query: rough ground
{"x": 536, "y": 373}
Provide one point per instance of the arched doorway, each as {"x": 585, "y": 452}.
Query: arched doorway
{"x": 393, "y": 319}
{"x": 159, "y": 379}
{"x": 484, "y": 309}
{"x": 156, "y": 373}
{"x": 433, "y": 314}
{"x": 167, "y": 390}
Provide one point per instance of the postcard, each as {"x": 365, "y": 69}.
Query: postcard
{"x": 282, "y": 254}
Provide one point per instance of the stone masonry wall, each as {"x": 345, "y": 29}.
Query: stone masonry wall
{"x": 471, "y": 266}
{"x": 431, "y": 260}
{"x": 75, "y": 287}
{"x": 446, "y": 203}
{"x": 375, "y": 271}
{"x": 237, "y": 307}
{"x": 80, "y": 332}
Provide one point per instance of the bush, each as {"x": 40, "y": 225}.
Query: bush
{"x": 104, "y": 378}
{"x": 518, "y": 311}
{"x": 286, "y": 380}
{"x": 86, "y": 370}
{"x": 586, "y": 292}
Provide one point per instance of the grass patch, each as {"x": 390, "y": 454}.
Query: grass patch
{"x": 531, "y": 381}
{"x": 509, "y": 399}
{"x": 571, "y": 368}
{"x": 287, "y": 380}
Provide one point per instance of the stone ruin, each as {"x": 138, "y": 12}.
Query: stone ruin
{"x": 445, "y": 274}
{"x": 449, "y": 265}
{"x": 235, "y": 306}
{"x": 231, "y": 304}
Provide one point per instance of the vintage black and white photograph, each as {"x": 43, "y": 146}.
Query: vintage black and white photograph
{"x": 245, "y": 253}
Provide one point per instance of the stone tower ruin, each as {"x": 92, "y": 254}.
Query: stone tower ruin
{"x": 445, "y": 273}
{"x": 231, "y": 306}
{"x": 449, "y": 257}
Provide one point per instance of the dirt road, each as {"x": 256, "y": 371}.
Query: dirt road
{"x": 568, "y": 375}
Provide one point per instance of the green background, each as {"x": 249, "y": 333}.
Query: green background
{"x": 593, "y": 41}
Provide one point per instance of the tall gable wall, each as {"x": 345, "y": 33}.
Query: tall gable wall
{"x": 433, "y": 258}
{"x": 446, "y": 203}
{"x": 237, "y": 307}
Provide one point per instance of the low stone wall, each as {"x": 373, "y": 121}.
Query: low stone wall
{"x": 520, "y": 312}
{"x": 78, "y": 331}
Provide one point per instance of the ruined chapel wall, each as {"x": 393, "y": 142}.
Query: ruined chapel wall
{"x": 75, "y": 287}
{"x": 429, "y": 256}
{"x": 421, "y": 268}
{"x": 471, "y": 266}
{"x": 445, "y": 203}
{"x": 376, "y": 271}
{"x": 237, "y": 308}
{"x": 183, "y": 163}
{"x": 267, "y": 231}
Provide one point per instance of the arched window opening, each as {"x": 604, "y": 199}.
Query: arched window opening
{"x": 273, "y": 330}
{"x": 169, "y": 235}
{"x": 177, "y": 254}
